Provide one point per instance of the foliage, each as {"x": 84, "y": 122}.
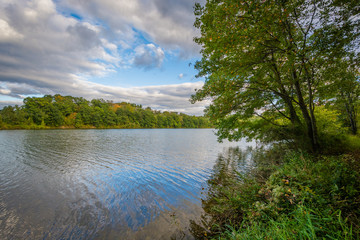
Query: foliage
{"x": 303, "y": 198}
{"x": 343, "y": 92}
{"x": 73, "y": 112}
{"x": 267, "y": 63}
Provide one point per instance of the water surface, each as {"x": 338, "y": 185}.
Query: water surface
{"x": 104, "y": 184}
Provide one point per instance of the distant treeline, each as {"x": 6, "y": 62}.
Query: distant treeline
{"x": 76, "y": 112}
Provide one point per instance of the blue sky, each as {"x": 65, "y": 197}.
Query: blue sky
{"x": 137, "y": 51}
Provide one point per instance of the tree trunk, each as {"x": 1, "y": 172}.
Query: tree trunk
{"x": 311, "y": 110}
{"x": 309, "y": 121}
{"x": 350, "y": 109}
{"x": 294, "y": 118}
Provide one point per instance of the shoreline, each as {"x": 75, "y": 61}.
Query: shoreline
{"x": 87, "y": 128}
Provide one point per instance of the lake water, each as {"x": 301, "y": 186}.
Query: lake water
{"x": 104, "y": 184}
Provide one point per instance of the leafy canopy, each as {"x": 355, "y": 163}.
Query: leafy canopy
{"x": 265, "y": 62}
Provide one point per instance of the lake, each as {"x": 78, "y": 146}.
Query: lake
{"x": 105, "y": 184}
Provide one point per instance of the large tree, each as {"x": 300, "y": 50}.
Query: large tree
{"x": 264, "y": 62}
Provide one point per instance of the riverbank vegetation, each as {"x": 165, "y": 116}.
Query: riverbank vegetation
{"x": 283, "y": 73}
{"x": 75, "y": 112}
{"x": 286, "y": 195}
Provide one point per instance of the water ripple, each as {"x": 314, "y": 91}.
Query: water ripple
{"x": 101, "y": 184}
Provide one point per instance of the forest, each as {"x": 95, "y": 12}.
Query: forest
{"x": 76, "y": 112}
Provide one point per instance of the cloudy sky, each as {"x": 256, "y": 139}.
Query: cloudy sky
{"x": 137, "y": 51}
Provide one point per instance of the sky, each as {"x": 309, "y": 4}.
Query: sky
{"x": 138, "y": 51}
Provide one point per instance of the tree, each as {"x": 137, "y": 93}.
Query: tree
{"x": 54, "y": 117}
{"x": 263, "y": 63}
{"x": 8, "y": 115}
{"x": 147, "y": 118}
{"x": 57, "y": 111}
{"x": 34, "y": 109}
{"x": 344, "y": 92}
{"x": 65, "y": 104}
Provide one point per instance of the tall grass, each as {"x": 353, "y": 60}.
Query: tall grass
{"x": 300, "y": 197}
{"x": 303, "y": 223}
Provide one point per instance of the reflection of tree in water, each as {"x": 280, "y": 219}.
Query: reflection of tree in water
{"x": 229, "y": 168}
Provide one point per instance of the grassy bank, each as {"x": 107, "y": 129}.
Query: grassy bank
{"x": 286, "y": 196}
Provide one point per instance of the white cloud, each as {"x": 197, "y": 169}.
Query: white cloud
{"x": 9, "y": 103}
{"x": 43, "y": 51}
{"x": 7, "y": 33}
{"x": 168, "y": 23}
{"x": 5, "y": 91}
{"x": 52, "y": 47}
{"x": 148, "y": 56}
{"x": 50, "y": 40}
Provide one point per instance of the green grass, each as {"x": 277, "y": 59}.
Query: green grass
{"x": 302, "y": 223}
{"x": 300, "y": 197}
